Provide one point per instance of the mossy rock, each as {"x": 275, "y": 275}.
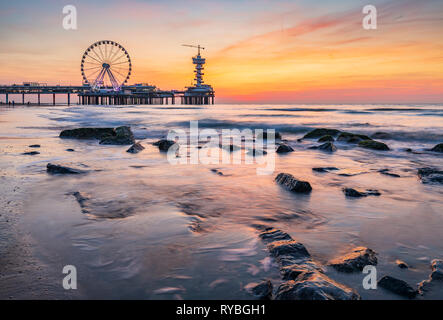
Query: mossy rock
{"x": 326, "y": 138}
{"x": 438, "y": 148}
{"x": 87, "y": 133}
{"x": 352, "y": 137}
{"x": 318, "y": 133}
{"x": 374, "y": 145}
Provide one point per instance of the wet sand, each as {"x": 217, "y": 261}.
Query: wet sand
{"x": 149, "y": 230}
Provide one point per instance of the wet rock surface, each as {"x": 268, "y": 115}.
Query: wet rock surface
{"x": 34, "y": 146}
{"x": 435, "y": 278}
{"x": 59, "y": 169}
{"x": 135, "y": 148}
{"x": 374, "y": 145}
{"x": 352, "y": 193}
{"x": 284, "y": 148}
{"x": 397, "y": 286}
{"x": 164, "y": 145}
{"x": 314, "y": 286}
{"x": 305, "y": 279}
{"x": 30, "y": 153}
{"x": 430, "y": 175}
{"x": 327, "y": 147}
{"x": 87, "y": 133}
{"x": 355, "y": 260}
{"x": 438, "y": 148}
{"x": 262, "y": 290}
{"x": 325, "y": 169}
{"x": 387, "y": 172}
{"x": 326, "y": 138}
{"x": 290, "y": 183}
{"x": 318, "y": 133}
{"x": 401, "y": 264}
{"x": 352, "y": 137}
{"x": 122, "y": 136}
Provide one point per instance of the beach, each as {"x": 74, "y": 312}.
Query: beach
{"x": 137, "y": 227}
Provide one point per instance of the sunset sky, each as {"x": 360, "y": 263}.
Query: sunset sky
{"x": 258, "y": 51}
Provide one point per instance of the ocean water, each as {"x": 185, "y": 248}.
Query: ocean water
{"x": 153, "y": 230}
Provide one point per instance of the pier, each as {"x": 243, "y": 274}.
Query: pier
{"x": 106, "y": 68}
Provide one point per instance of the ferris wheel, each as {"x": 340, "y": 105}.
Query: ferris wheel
{"x": 106, "y": 64}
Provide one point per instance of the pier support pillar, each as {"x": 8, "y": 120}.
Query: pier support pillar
{"x": 69, "y": 99}
{"x": 53, "y": 99}
{"x": 23, "y": 98}
{"x": 7, "y": 98}
{"x": 38, "y": 99}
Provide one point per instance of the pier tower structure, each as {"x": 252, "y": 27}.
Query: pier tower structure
{"x": 199, "y": 93}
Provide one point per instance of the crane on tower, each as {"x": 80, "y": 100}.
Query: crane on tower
{"x": 192, "y": 46}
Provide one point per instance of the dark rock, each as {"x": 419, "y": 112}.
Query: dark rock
{"x": 34, "y": 146}
{"x": 408, "y": 150}
{"x": 349, "y": 192}
{"x": 401, "y": 264}
{"x": 326, "y": 138}
{"x": 387, "y": 173}
{"x": 57, "y": 169}
{"x": 284, "y": 148}
{"x": 438, "y": 148}
{"x": 87, "y": 133}
{"x": 430, "y": 175}
{"x": 435, "y": 277}
{"x": 164, "y": 145}
{"x": 70, "y": 150}
{"x": 381, "y": 135}
{"x": 271, "y": 235}
{"x": 292, "y": 271}
{"x": 31, "y": 153}
{"x": 292, "y": 184}
{"x": 135, "y": 148}
{"x": 314, "y": 286}
{"x": 352, "y": 137}
{"x": 217, "y": 172}
{"x": 288, "y": 248}
{"x": 374, "y": 145}
{"x": 82, "y": 200}
{"x": 397, "y": 286}
{"x": 123, "y": 136}
{"x": 262, "y": 290}
{"x": 325, "y": 169}
{"x": 318, "y": 133}
{"x": 328, "y": 147}
{"x": 264, "y": 135}
{"x": 355, "y": 260}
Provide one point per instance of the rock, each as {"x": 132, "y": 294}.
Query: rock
{"x": 217, "y": 171}
{"x": 31, "y": 153}
{"x": 289, "y": 249}
{"x": 262, "y": 290}
{"x": 355, "y": 260}
{"x": 82, "y": 200}
{"x": 123, "y": 136}
{"x": 264, "y": 135}
{"x": 374, "y": 145}
{"x": 135, "y": 148}
{"x": 397, "y": 286}
{"x": 290, "y": 183}
{"x": 87, "y": 133}
{"x": 70, "y": 150}
{"x": 318, "y": 133}
{"x": 436, "y": 276}
{"x": 349, "y": 192}
{"x": 34, "y": 146}
{"x": 438, "y": 148}
{"x": 57, "y": 169}
{"x": 430, "y": 175}
{"x": 284, "y": 148}
{"x": 292, "y": 271}
{"x": 381, "y": 135}
{"x": 401, "y": 264}
{"x": 352, "y": 137}
{"x": 271, "y": 235}
{"x": 387, "y": 173}
{"x": 326, "y": 138}
{"x": 164, "y": 145}
{"x": 314, "y": 286}
{"x": 325, "y": 169}
{"x": 328, "y": 147}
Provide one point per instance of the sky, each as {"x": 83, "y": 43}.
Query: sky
{"x": 260, "y": 51}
